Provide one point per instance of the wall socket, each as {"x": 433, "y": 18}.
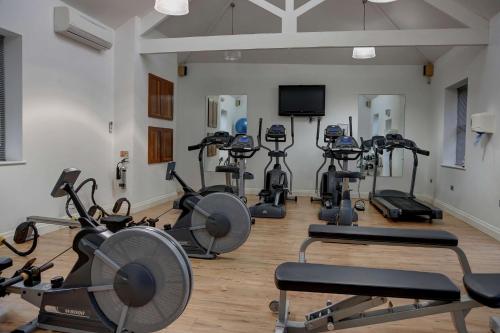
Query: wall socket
{"x": 452, "y": 188}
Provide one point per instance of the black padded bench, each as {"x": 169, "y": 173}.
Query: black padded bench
{"x": 330, "y": 279}
{"x": 384, "y": 235}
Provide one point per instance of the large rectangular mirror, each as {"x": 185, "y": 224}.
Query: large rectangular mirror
{"x": 224, "y": 113}
{"x": 382, "y": 115}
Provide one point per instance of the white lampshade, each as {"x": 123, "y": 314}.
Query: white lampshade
{"x": 381, "y": 1}
{"x": 172, "y": 7}
{"x": 364, "y": 53}
{"x": 232, "y": 55}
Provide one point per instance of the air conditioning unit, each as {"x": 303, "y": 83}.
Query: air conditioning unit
{"x": 73, "y": 24}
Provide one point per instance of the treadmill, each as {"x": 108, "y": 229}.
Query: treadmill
{"x": 398, "y": 204}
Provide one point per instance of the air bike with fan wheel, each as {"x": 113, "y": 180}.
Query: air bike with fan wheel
{"x": 210, "y": 225}
{"x": 136, "y": 280}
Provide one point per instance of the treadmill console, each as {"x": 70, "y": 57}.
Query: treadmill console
{"x": 276, "y": 133}
{"x": 394, "y": 139}
{"x": 332, "y": 133}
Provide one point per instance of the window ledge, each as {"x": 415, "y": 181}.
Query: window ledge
{"x": 456, "y": 167}
{"x": 7, "y": 163}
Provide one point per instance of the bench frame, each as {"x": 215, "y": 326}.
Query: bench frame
{"x": 356, "y": 310}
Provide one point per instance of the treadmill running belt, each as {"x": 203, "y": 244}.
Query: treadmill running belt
{"x": 408, "y": 205}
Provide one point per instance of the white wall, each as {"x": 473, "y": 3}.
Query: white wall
{"x": 260, "y": 83}
{"x": 147, "y": 184}
{"x": 476, "y": 195}
{"x": 70, "y": 93}
{"x": 66, "y": 109}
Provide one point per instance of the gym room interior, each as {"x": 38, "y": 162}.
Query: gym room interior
{"x": 287, "y": 166}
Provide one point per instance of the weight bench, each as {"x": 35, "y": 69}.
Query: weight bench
{"x": 372, "y": 287}
{"x": 384, "y": 236}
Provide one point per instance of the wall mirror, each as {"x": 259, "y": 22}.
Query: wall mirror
{"x": 382, "y": 115}
{"x": 223, "y": 113}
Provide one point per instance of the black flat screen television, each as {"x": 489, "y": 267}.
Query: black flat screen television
{"x": 305, "y": 101}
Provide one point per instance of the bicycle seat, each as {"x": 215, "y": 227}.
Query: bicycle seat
{"x": 115, "y": 223}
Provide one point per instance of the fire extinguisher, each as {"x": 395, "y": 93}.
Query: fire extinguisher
{"x": 121, "y": 173}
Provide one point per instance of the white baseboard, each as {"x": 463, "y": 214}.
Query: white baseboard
{"x": 143, "y": 205}
{"x": 44, "y": 229}
{"x": 473, "y": 221}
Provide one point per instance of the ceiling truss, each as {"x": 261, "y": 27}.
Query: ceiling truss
{"x": 475, "y": 33}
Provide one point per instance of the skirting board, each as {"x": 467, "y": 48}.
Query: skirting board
{"x": 44, "y": 229}
{"x": 473, "y": 221}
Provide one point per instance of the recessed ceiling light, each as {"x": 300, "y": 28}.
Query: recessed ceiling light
{"x": 364, "y": 53}
{"x": 382, "y": 1}
{"x": 172, "y": 7}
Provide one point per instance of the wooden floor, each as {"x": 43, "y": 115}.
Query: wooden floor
{"x": 231, "y": 294}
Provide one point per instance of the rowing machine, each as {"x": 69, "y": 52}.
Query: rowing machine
{"x": 136, "y": 280}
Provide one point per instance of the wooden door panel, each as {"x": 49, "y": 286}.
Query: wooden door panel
{"x": 160, "y": 98}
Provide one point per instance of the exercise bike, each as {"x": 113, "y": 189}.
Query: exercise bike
{"x": 277, "y": 188}
{"x": 136, "y": 280}
{"x": 219, "y": 139}
{"x": 345, "y": 149}
{"x": 329, "y": 189}
{"x": 208, "y": 226}
{"x": 241, "y": 148}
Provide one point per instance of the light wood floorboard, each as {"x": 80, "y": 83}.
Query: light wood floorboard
{"x": 231, "y": 294}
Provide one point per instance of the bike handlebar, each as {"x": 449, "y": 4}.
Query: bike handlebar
{"x": 194, "y": 147}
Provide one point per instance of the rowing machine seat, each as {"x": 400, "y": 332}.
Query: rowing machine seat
{"x": 484, "y": 288}
{"x": 330, "y": 279}
{"x": 388, "y": 235}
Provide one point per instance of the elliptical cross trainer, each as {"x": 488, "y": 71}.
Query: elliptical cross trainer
{"x": 276, "y": 185}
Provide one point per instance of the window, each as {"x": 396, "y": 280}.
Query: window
{"x": 2, "y": 101}
{"x": 11, "y": 98}
{"x": 455, "y": 125}
{"x": 461, "y": 125}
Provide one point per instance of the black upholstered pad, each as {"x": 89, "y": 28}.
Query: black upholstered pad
{"x": 116, "y": 219}
{"x": 484, "y": 288}
{"x": 5, "y": 263}
{"x": 227, "y": 169}
{"x": 360, "y": 281}
{"x": 388, "y": 235}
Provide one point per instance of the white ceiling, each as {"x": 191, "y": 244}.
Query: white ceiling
{"x": 212, "y": 17}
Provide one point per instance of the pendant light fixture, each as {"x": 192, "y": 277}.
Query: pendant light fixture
{"x": 362, "y": 53}
{"x": 232, "y": 55}
{"x": 172, "y": 7}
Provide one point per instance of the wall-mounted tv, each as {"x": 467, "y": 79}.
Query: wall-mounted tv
{"x": 306, "y": 101}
